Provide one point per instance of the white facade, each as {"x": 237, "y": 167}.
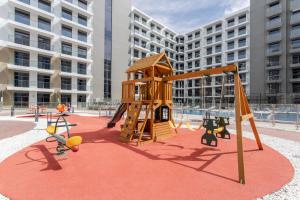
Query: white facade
{"x": 46, "y": 49}
{"x": 219, "y": 43}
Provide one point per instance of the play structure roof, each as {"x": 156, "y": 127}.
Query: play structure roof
{"x": 150, "y": 61}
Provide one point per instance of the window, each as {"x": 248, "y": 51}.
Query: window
{"x": 82, "y": 4}
{"x": 136, "y": 53}
{"x": 137, "y": 18}
{"x": 230, "y": 56}
{"x": 44, "y": 24}
{"x": 144, "y": 55}
{"x": 242, "y": 18}
{"x": 21, "y": 79}
{"x": 190, "y": 37}
{"x": 209, "y": 61}
{"x": 242, "y": 54}
{"x": 22, "y": 37}
{"x": 81, "y": 98}
{"x": 43, "y": 98}
{"x": 22, "y": 58}
{"x": 209, "y": 40}
{"x": 230, "y": 22}
{"x": 21, "y": 99}
{"x": 274, "y": 32}
{"x": 66, "y": 66}
{"x": 25, "y": 1}
{"x": 197, "y": 44}
{"x": 197, "y": 54}
{"x": 295, "y": 29}
{"x": 242, "y": 66}
{"x": 81, "y": 85}
{"x": 81, "y": 68}
{"x": 296, "y": 87}
{"x": 66, "y": 98}
{"x": 242, "y": 30}
{"x": 274, "y": 47}
{"x": 66, "y": 48}
{"x": 152, "y": 47}
{"x": 274, "y": 19}
{"x": 209, "y": 51}
{"x": 44, "y": 62}
{"x": 274, "y": 75}
{"x": 67, "y": 14}
{"x": 230, "y": 34}
{"x": 197, "y": 63}
{"x": 218, "y": 38}
{"x": 144, "y": 44}
{"x": 296, "y": 73}
{"x": 82, "y": 36}
{"x": 273, "y": 61}
{"x": 82, "y": 52}
{"x": 190, "y": 46}
{"x": 275, "y": 4}
{"x": 209, "y": 30}
{"x": 230, "y": 45}
{"x": 45, "y": 5}
{"x": 218, "y": 59}
{"x": 274, "y": 88}
{"x": 44, "y": 81}
{"x": 66, "y": 31}
{"x": 218, "y": 27}
{"x": 82, "y": 20}
{"x": 190, "y": 56}
{"x": 44, "y": 43}
{"x": 218, "y": 48}
{"x": 296, "y": 43}
{"x": 66, "y": 84}
{"x": 197, "y": 34}
{"x": 158, "y": 49}
{"x": 242, "y": 42}
{"x": 190, "y": 83}
{"x": 296, "y": 59}
{"x": 22, "y": 17}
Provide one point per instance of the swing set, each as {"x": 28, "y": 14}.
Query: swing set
{"x": 149, "y": 87}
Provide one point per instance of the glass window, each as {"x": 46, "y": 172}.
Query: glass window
{"x": 218, "y": 59}
{"x": 45, "y": 5}
{"x": 295, "y": 29}
{"x": 66, "y": 31}
{"x": 230, "y": 56}
{"x": 82, "y": 52}
{"x": 66, "y": 48}
{"x": 209, "y": 40}
{"x": 242, "y": 30}
{"x": 82, "y": 4}
{"x": 230, "y": 45}
{"x": 44, "y": 24}
{"x": 242, "y": 18}
{"x": 230, "y": 34}
{"x": 197, "y": 34}
{"x": 242, "y": 42}
{"x": 209, "y": 30}
{"x": 218, "y": 38}
{"x": 81, "y": 84}
{"x": 81, "y": 98}
{"x": 82, "y": 20}
{"x": 274, "y": 31}
{"x": 22, "y": 37}
{"x": 66, "y": 83}
{"x": 274, "y": 47}
{"x": 209, "y": 61}
{"x": 25, "y": 1}
{"x": 44, "y": 42}
{"x": 44, "y": 81}
{"x": 81, "y": 68}
{"x": 21, "y": 99}
{"x": 43, "y": 98}
{"x": 218, "y": 27}
{"x": 218, "y": 48}
{"x": 66, "y": 66}
{"x": 242, "y": 66}
{"x": 273, "y": 61}
{"x": 295, "y": 58}
{"x": 22, "y": 17}
{"x": 44, "y": 62}
{"x": 82, "y": 36}
{"x": 67, "y": 14}
{"x": 296, "y": 43}
{"x": 296, "y": 73}
{"x": 22, "y": 58}
{"x": 21, "y": 79}
{"x": 230, "y": 22}
{"x": 242, "y": 54}
{"x": 209, "y": 51}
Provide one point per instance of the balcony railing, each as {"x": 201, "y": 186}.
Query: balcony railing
{"x": 31, "y": 43}
{"x": 21, "y": 83}
{"x": 44, "y": 85}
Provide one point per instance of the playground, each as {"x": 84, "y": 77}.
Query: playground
{"x": 145, "y": 150}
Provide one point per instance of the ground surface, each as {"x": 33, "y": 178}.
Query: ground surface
{"x": 12, "y": 128}
{"x": 177, "y": 168}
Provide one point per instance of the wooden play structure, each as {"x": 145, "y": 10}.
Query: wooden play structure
{"x": 147, "y": 98}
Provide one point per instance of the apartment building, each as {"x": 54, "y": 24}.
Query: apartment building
{"x": 110, "y": 50}
{"x": 222, "y": 42}
{"x": 46, "y": 51}
{"x": 275, "y": 51}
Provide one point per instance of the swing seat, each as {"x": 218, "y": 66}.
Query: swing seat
{"x": 218, "y": 130}
{"x": 209, "y": 139}
{"x": 51, "y": 129}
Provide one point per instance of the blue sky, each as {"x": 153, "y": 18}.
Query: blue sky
{"x": 185, "y": 15}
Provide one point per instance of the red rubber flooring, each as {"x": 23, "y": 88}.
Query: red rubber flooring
{"x": 176, "y": 168}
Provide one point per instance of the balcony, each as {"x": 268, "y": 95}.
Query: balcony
{"x": 295, "y": 33}
{"x": 271, "y": 11}
{"x": 273, "y": 24}
{"x": 274, "y": 37}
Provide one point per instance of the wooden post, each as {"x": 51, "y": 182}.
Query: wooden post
{"x": 238, "y": 121}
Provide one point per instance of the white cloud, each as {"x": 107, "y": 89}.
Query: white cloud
{"x": 183, "y": 15}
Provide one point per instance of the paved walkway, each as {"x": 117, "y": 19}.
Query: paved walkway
{"x": 10, "y": 128}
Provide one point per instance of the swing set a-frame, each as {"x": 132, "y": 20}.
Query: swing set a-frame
{"x": 149, "y": 88}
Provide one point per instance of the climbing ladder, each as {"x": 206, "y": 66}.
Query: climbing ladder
{"x": 129, "y": 126}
